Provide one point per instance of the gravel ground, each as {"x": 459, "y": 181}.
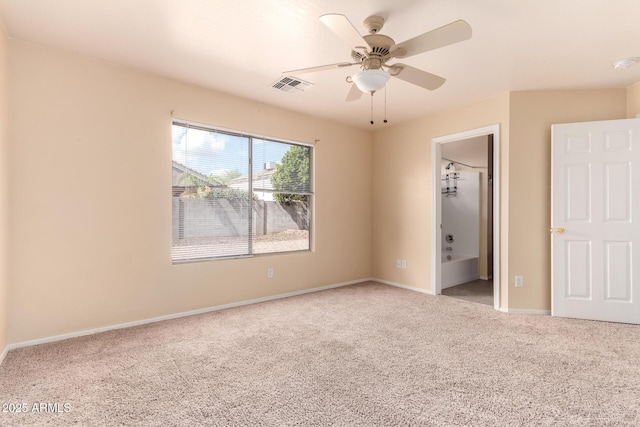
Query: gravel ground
{"x": 289, "y": 240}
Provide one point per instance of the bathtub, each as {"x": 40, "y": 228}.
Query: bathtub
{"x": 459, "y": 269}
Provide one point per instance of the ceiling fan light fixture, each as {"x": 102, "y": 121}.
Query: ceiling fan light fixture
{"x": 371, "y": 80}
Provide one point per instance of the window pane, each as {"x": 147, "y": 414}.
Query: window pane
{"x": 281, "y": 227}
{"x": 282, "y": 190}
{"x": 289, "y": 165}
{"x": 227, "y": 203}
{"x": 211, "y": 205}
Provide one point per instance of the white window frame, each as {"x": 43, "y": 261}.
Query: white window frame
{"x": 251, "y": 235}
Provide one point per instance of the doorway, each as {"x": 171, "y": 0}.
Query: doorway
{"x": 489, "y": 268}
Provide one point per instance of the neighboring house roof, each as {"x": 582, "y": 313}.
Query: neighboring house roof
{"x": 180, "y": 169}
{"x": 261, "y": 180}
{"x": 179, "y": 183}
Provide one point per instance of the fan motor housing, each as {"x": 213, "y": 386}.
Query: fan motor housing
{"x": 379, "y": 47}
{"x": 373, "y": 24}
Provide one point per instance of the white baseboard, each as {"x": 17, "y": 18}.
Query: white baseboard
{"x": 4, "y": 354}
{"x": 174, "y": 316}
{"x": 519, "y": 311}
{"x": 225, "y": 306}
{"x": 398, "y": 285}
{"x": 424, "y": 291}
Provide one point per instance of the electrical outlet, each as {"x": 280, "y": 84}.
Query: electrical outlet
{"x": 519, "y": 281}
{"x": 404, "y": 264}
{"x": 269, "y": 273}
{"x": 398, "y": 263}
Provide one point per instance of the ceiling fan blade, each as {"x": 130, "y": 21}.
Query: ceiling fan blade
{"x": 454, "y": 32}
{"x": 319, "y": 68}
{"x": 417, "y": 77}
{"x": 354, "y": 93}
{"x": 344, "y": 29}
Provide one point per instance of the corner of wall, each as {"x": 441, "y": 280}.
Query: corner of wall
{"x": 402, "y": 216}
{"x": 4, "y": 227}
{"x": 633, "y": 100}
{"x": 151, "y": 287}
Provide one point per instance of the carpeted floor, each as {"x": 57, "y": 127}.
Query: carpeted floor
{"x": 361, "y": 355}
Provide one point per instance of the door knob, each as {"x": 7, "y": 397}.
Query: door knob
{"x": 559, "y": 230}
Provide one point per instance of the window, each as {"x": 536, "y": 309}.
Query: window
{"x": 237, "y": 195}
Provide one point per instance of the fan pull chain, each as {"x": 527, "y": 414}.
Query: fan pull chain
{"x": 385, "y": 103}
{"x": 371, "y": 107}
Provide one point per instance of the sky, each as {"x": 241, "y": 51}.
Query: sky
{"x": 213, "y": 153}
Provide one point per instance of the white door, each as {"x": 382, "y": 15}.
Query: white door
{"x": 595, "y": 220}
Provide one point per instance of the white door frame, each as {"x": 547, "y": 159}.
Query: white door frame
{"x": 436, "y": 206}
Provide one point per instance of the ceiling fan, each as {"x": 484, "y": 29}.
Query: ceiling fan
{"x": 373, "y": 52}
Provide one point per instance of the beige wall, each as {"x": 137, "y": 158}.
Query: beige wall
{"x": 633, "y": 100}
{"x": 531, "y": 117}
{"x": 91, "y": 211}
{"x": 91, "y": 208}
{"x": 402, "y": 183}
{"x": 4, "y": 186}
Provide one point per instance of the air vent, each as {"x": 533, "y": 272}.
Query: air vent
{"x": 291, "y": 84}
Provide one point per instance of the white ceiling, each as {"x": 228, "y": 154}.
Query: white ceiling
{"x": 243, "y": 46}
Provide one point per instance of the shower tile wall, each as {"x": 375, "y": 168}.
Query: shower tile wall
{"x": 461, "y": 216}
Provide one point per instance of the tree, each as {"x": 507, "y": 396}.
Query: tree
{"x": 192, "y": 184}
{"x": 223, "y": 179}
{"x": 215, "y": 187}
{"x": 292, "y": 175}
{"x": 230, "y": 175}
